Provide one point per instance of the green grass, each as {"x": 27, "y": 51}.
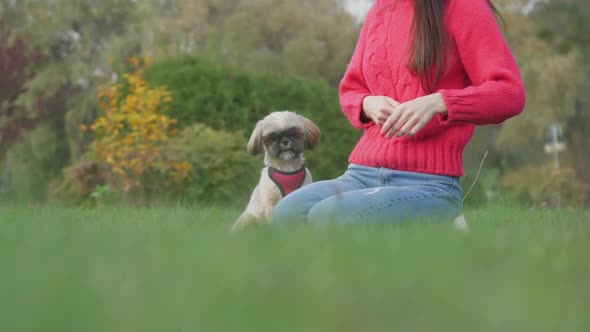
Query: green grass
{"x": 181, "y": 270}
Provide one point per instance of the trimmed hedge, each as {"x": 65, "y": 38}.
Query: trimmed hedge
{"x": 234, "y": 100}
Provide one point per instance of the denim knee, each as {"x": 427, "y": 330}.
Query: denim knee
{"x": 328, "y": 211}
{"x": 286, "y": 212}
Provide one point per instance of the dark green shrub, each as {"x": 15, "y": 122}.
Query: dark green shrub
{"x": 234, "y": 100}
{"x": 223, "y": 171}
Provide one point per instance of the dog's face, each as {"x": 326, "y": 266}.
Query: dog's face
{"x": 284, "y": 144}
{"x": 283, "y": 135}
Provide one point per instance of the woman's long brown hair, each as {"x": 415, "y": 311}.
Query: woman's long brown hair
{"x": 431, "y": 40}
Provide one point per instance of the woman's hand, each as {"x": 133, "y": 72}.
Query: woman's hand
{"x": 408, "y": 118}
{"x": 379, "y": 108}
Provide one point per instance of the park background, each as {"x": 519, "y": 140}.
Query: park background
{"x": 151, "y": 102}
{"x": 123, "y": 130}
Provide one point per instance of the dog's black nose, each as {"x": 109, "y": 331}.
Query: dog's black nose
{"x": 285, "y": 142}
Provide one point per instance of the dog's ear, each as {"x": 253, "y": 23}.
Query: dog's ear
{"x": 312, "y": 132}
{"x": 255, "y": 142}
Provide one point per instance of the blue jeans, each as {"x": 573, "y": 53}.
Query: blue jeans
{"x": 373, "y": 195}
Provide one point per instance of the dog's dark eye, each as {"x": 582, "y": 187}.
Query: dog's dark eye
{"x": 268, "y": 139}
{"x": 294, "y": 133}
{"x": 297, "y": 135}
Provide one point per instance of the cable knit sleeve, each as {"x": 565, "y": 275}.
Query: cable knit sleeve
{"x": 496, "y": 92}
{"x": 353, "y": 87}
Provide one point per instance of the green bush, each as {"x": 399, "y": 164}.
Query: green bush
{"x": 234, "y": 100}
{"x": 543, "y": 186}
{"x": 30, "y": 165}
{"x": 82, "y": 184}
{"x": 223, "y": 170}
{"x": 483, "y": 187}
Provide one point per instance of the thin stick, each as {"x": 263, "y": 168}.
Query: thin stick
{"x": 477, "y": 176}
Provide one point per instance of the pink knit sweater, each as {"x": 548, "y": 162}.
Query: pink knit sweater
{"x": 482, "y": 85}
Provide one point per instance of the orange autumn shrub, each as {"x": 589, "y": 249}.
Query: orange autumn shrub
{"x": 130, "y": 135}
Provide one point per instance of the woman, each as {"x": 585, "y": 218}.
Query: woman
{"x": 424, "y": 73}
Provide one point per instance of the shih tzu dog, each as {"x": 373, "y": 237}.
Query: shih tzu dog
{"x": 283, "y": 136}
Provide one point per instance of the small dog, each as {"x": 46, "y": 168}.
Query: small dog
{"x": 283, "y": 136}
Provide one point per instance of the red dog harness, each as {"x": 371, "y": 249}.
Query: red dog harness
{"x": 287, "y": 182}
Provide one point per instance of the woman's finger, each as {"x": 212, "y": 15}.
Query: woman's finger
{"x": 408, "y": 126}
{"x": 392, "y": 102}
{"x": 404, "y": 118}
{"x": 393, "y": 118}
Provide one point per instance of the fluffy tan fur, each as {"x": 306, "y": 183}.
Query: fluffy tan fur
{"x": 266, "y": 194}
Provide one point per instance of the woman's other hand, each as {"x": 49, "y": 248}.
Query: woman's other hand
{"x": 408, "y": 118}
{"x": 379, "y": 108}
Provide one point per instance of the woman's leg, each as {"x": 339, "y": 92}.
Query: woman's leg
{"x": 404, "y": 196}
{"x": 295, "y": 207}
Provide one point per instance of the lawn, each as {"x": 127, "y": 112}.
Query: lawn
{"x": 173, "y": 269}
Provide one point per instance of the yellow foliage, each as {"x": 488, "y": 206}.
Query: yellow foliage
{"x": 132, "y": 131}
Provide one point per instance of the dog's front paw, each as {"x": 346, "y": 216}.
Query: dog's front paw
{"x": 238, "y": 226}
{"x": 243, "y": 221}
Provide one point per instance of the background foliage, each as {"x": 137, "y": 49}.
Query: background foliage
{"x": 231, "y": 99}
{"x": 227, "y": 63}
